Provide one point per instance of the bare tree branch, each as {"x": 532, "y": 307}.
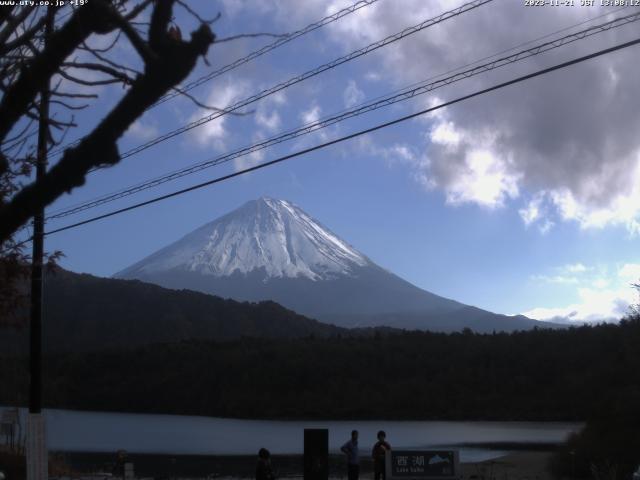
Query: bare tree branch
{"x": 197, "y": 16}
{"x": 160, "y": 19}
{"x": 137, "y": 10}
{"x": 136, "y": 40}
{"x": 18, "y": 135}
{"x": 19, "y": 141}
{"x": 74, "y": 95}
{"x": 57, "y": 124}
{"x": 105, "y": 49}
{"x": 13, "y": 22}
{"x": 68, "y": 105}
{"x": 20, "y": 40}
{"x": 106, "y": 60}
{"x": 204, "y": 106}
{"x": 98, "y": 67}
{"x": 5, "y": 13}
{"x": 172, "y": 63}
{"x": 88, "y": 83}
{"x": 63, "y": 42}
{"x": 55, "y": 142}
{"x": 252, "y": 35}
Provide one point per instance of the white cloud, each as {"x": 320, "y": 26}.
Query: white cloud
{"x": 270, "y": 121}
{"x": 214, "y": 133}
{"x": 234, "y": 8}
{"x": 352, "y": 95}
{"x": 630, "y": 272}
{"x": 445, "y": 133}
{"x": 620, "y": 207}
{"x": 360, "y": 27}
{"x": 575, "y": 268}
{"x": 312, "y": 114}
{"x": 254, "y": 158}
{"x": 576, "y": 141}
{"x": 560, "y": 279}
{"x": 483, "y": 179}
{"x": 570, "y": 274}
{"x": 468, "y": 167}
{"x": 603, "y": 294}
{"x": 317, "y": 134}
{"x": 533, "y": 211}
{"x": 373, "y": 76}
{"x": 545, "y": 226}
{"x": 595, "y": 305}
{"x": 142, "y": 130}
{"x": 397, "y": 153}
{"x": 267, "y": 115}
{"x": 601, "y": 283}
{"x": 570, "y": 136}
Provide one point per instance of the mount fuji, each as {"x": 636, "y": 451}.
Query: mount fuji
{"x": 270, "y": 249}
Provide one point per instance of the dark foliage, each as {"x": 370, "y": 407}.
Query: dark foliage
{"x": 13, "y": 465}
{"x": 167, "y": 62}
{"x": 45, "y": 53}
{"x": 538, "y": 375}
{"x": 609, "y": 445}
{"x": 13, "y": 275}
{"x": 84, "y": 313}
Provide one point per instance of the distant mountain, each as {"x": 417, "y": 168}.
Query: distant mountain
{"x": 270, "y": 249}
{"x": 269, "y": 236}
{"x": 84, "y": 313}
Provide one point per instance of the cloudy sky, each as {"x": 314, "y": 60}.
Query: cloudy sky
{"x": 524, "y": 200}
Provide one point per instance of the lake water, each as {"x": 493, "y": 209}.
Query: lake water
{"x": 69, "y": 430}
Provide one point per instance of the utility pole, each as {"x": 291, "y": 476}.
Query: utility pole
{"x": 37, "y": 455}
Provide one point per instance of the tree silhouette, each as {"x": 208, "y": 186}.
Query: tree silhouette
{"x": 34, "y": 60}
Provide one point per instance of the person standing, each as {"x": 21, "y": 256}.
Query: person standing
{"x": 264, "y": 470}
{"x": 350, "y": 449}
{"x": 379, "y": 454}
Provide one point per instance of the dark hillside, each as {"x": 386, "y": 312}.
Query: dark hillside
{"x": 536, "y": 375}
{"x": 84, "y": 313}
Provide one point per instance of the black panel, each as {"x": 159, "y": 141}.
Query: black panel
{"x": 316, "y": 454}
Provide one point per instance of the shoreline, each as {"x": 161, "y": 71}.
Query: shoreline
{"x": 530, "y": 463}
{"x": 304, "y": 419}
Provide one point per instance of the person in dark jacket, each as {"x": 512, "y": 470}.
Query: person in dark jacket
{"x": 350, "y": 449}
{"x": 122, "y": 457}
{"x": 379, "y": 454}
{"x": 263, "y": 468}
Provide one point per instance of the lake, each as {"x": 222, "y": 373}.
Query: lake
{"x": 69, "y": 430}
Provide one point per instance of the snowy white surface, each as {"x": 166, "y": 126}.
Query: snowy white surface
{"x": 268, "y": 234}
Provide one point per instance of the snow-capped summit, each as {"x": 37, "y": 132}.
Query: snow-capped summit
{"x": 269, "y": 235}
{"x": 271, "y": 250}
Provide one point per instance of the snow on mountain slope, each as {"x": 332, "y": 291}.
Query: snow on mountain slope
{"x": 271, "y": 250}
{"x": 268, "y": 234}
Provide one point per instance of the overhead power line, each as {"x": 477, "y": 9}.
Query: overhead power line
{"x": 305, "y": 151}
{"x": 403, "y": 95}
{"x": 309, "y": 74}
{"x": 267, "y": 48}
{"x": 251, "y": 56}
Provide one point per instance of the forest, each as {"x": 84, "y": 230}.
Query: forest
{"x": 588, "y": 373}
{"x": 570, "y": 374}
{"x": 87, "y": 313}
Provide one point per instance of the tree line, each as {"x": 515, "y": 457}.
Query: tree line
{"x": 570, "y": 374}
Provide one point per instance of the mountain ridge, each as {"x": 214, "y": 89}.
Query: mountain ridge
{"x": 267, "y": 233}
{"x": 83, "y": 312}
{"x": 269, "y": 249}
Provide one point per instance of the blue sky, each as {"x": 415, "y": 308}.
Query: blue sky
{"x": 521, "y": 201}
